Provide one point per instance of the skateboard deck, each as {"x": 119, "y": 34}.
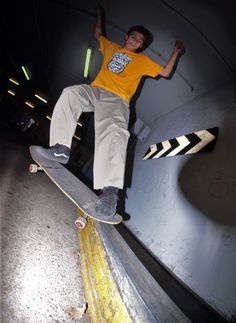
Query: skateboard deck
{"x": 84, "y": 198}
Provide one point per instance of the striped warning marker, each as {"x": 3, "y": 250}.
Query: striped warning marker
{"x": 202, "y": 140}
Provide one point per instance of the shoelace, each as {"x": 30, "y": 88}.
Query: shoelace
{"x": 54, "y": 147}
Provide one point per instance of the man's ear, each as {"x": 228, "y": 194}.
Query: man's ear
{"x": 126, "y": 37}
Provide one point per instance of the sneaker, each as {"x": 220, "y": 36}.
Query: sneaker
{"x": 107, "y": 202}
{"x": 58, "y": 153}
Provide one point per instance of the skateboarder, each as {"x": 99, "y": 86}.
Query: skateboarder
{"x": 108, "y": 96}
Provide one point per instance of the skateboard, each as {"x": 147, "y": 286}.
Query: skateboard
{"x": 84, "y": 198}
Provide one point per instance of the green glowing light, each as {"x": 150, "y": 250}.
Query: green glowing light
{"x": 25, "y": 72}
{"x": 87, "y": 62}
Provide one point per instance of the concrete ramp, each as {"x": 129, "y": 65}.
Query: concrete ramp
{"x": 118, "y": 288}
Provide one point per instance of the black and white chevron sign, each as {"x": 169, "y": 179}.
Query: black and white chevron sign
{"x": 202, "y": 140}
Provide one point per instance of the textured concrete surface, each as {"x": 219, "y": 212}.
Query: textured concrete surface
{"x": 40, "y": 260}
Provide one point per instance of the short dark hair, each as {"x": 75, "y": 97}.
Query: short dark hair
{"x": 148, "y": 37}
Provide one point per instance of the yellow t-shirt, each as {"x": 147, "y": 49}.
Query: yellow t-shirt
{"x": 122, "y": 70}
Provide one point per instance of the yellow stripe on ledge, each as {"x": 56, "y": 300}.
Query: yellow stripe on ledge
{"x": 101, "y": 292}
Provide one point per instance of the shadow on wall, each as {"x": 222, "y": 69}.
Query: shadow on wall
{"x": 208, "y": 180}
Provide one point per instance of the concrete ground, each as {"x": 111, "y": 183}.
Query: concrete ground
{"x": 40, "y": 258}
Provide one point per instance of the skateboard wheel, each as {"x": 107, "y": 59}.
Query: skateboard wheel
{"x": 80, "y": 222}
{"x": 33, "y": 168}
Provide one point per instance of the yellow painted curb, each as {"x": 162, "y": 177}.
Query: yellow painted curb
{"x": 102, "y": 294}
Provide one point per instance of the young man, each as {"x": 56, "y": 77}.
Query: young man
{"x": 108, "y": 97}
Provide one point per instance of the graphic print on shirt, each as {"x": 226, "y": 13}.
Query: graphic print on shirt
{"x": 118, "y": 62}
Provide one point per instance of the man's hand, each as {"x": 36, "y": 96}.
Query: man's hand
{"x": 99, "y": 12}
{"x": 178, "y": 47}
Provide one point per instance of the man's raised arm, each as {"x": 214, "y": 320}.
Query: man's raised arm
{"x": 98, "y": 28}
{"x": 167, "y": 69}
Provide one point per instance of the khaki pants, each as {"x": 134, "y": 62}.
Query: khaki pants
{"x": 111, "y": 117}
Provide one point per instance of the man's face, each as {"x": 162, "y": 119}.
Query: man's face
{"x": 134, "y": 41}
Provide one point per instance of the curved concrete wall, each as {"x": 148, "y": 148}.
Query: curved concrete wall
{"x": 183, "y": 208}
